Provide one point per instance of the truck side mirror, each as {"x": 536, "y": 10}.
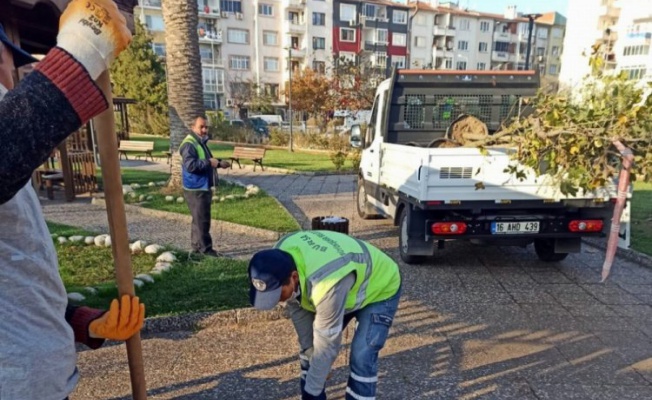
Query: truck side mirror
{"x": 356, "y": 137}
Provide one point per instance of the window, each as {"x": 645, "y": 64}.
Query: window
{"x": 270, "y": 90}
{"x": 465, "y": 24}
{"x": 270, "y": 64}
{"x": 484, "y": 26}
{"x": 347, "y": 12}
{"x": 318, "y": 19}
{"x": 154, "y": 23}
{"x": 318, "y": 43}
{"x": 238, "y": 36}
{"x": 206, "y": 54}
{"x": 211, "y": 101}
{"x": 239, "y": 62}
{"x": 635, "y": 72}
{"x": 234, "y": 6}
{"x": 398, "y": 61}
{"x": 448, "y": 63}
{"x": 462, "y": 45}
{"x": 501, "y": 46}
{"x": 266, "y": 9}
{"x": 213, "y": 80}
{"x": 541, "y": 51}
{"x": 482, "y": 47}
{"x": 319, "y": 67}
{"x": 555, "y": 50}
{"x": 419, "y": 41}
{"x": 380, "y": 60}
{"x": 636, "y": 50}
{"x": 552, "y": 70}
{"x": 542, "y": 33}
{"x": 461, "y": 65}
{"x": 399, "y": 39}
{"x": 382, "y": 36}
{"x": 270, "y": 38}
{"x": 295, "y": 17}
{"x": 399, "y": 17}
{"x": 481, "y": 66}
{"x": 557, "y": 33}
{"x": 372, "y": 11}
{"x": 159, "y": 49}
{"x": 347, "y": 35}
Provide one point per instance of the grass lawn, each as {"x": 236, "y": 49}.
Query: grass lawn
{"x": 296, "y": 161}
{"x": 642, "y": 218}
{"x": 260, "y": 211}
{"x": 199, "y": 284}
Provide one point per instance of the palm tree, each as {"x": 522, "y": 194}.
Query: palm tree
{"x": 184, "y": 75}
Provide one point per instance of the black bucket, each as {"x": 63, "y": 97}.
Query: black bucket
{"x": 331, "y": 223}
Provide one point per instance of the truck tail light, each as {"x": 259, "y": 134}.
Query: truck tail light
{"x": 585, "y": 225}
{"x": 449, "y": 228}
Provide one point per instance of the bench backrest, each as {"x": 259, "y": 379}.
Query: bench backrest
{"x": 136, "y": 145}
{"x": 248, "y": 152}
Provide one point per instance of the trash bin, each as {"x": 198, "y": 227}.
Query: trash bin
{"x": 331, "y": 223}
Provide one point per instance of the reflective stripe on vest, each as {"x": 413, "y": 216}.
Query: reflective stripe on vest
{"x": 200, "y": 150}
{"x": 305, "y": 244}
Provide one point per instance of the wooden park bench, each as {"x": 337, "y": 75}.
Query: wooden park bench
{"x": 136, "y": 146}
{"x": 255, "y": 154}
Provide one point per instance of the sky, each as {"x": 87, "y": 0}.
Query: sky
{"x": 524, "y": 6}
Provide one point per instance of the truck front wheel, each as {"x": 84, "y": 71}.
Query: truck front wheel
{"x": 403, "y": 236}
{"x": 365, "y": 210}
{"x": 545, "y": 249}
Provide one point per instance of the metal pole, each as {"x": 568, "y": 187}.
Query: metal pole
{"x": 290, "y": 95}
{"x": 529, "y": 42}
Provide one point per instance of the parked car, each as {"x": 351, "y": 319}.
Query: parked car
{"x": 237, "y": 122}
{"x": 259, "y": 126}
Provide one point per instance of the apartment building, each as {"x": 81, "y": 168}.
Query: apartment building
{"x": 589, "y": 23}
{"x": 247, "y": 45}
{"x": 634, "y": 38}
{"x": 373, "y": 30}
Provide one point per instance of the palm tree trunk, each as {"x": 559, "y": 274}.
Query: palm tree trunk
{"x": 184, "y": 75}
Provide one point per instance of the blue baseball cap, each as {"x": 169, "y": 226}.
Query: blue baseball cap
{"x": 21, "y": 57}
{"x": 268, "y": 269}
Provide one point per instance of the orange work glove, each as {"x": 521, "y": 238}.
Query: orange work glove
{"x": 120, "y": 322}
{"x": 94, "y": 32}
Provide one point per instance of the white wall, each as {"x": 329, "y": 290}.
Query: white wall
{"x": 581, "y": 33}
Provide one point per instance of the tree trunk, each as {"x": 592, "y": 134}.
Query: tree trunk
{"x": 184, "y": 75}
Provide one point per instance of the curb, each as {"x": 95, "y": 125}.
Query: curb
{"x": 628, "y": 254}
{"x": 204, "y": 320}
{"x": 290, "y": 171}
{"x": 258, "y": 232}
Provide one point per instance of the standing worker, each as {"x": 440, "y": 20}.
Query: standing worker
{"x": 199, "y": 175}
{"x": 38, "y": 329}
{"x": 326, "y": 279}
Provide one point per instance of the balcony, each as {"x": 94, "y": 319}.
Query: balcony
{"x": 609, "y": 11}
{"x": 212, "y": 13}
{"x": 298, "y": 52}
{"x": 443, "y": 30}
{"x": 210, "y": 36}
{"x": 212, "y": 61}
{"x": 295, "y": 4}
{"x": 499, "y": 56}
{"x": 151, "y": 3}
{"x": 375, "y": 45}
{"x": 297, "y": 26}
{"x": 505, "y": 37}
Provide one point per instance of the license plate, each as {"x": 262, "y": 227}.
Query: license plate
{"x": 514, "y": 227}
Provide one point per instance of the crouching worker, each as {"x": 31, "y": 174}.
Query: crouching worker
{"x": 326, "y": 279}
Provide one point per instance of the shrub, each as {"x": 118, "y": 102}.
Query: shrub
{"x": 338, "y": 158}
{"x": 355, "y": 156}
{"x": 278, "y": 138}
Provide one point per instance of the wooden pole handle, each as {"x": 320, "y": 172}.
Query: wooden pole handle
{"x": 115, "y": 208}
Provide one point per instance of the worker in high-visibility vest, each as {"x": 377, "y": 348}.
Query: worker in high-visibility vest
{"x": 326, "y": 279}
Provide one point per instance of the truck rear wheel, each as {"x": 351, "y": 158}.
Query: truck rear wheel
{"x": 365, "y": 210}
{"x": 403, "y": 236}
{"x": 545, "y": 249}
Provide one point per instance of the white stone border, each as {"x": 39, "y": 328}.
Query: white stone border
{"x": 164, "y": 262}
{"x": 250, "y": 190}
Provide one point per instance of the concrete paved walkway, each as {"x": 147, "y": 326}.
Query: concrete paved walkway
{"x": 474, "y": 323}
